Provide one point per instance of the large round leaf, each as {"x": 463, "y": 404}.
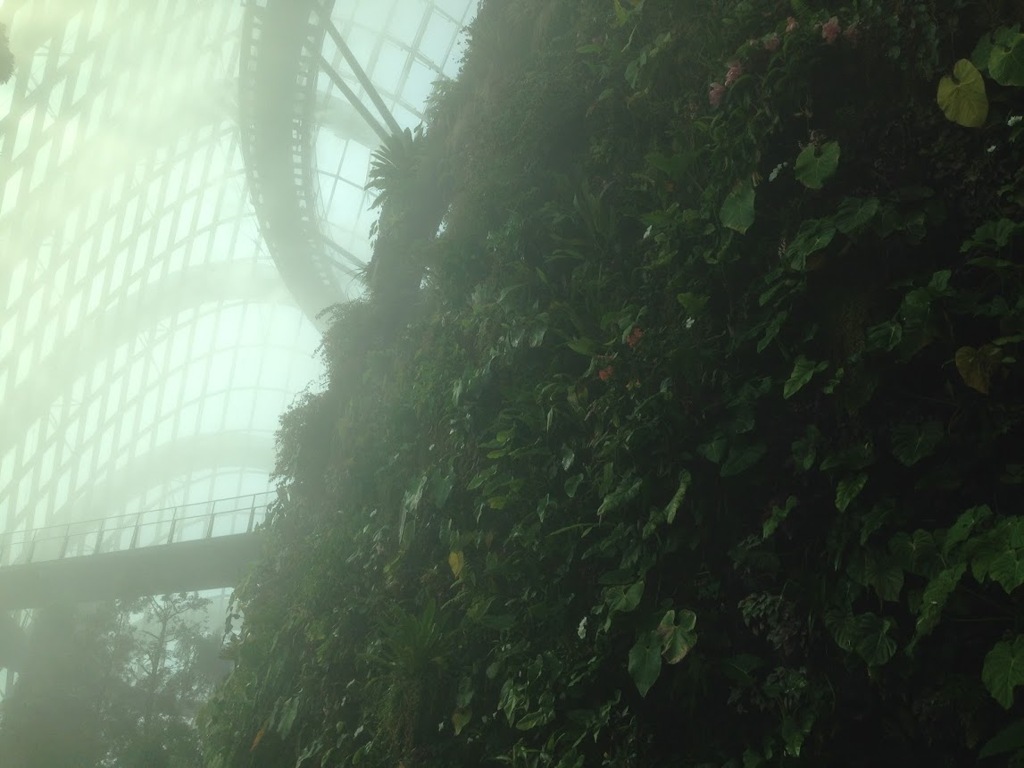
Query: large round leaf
{"x": 1006, "y": 63}
{"x": 816, "y": 164}
{"x": 1004, "y": 670}
{"x": 962, "y": 96}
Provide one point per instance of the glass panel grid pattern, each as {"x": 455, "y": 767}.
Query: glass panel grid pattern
{"x": 148, "y": 343}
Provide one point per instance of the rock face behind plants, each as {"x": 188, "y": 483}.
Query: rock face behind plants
{"x": 704, "y": 444}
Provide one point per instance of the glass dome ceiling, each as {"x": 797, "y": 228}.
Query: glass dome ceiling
{"x": 154, "y": 324}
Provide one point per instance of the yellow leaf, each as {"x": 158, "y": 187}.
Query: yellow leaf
{"x": 976, "y": 366}
{"x": 259, "y": 737}
{"x": 455, "y": 561}
{"x": 962, "y": 96}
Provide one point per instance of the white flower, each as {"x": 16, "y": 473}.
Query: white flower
{"x": 775, "y": 171}
{"x": 1012, "y": 120}
{"x": 581, "y": 630}
{"x": 689, "y": 322}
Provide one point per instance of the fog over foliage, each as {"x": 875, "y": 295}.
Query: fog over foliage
{"x": 694, "y": 436}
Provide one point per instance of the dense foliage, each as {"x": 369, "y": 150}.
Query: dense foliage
{"x": 700, "y": 441}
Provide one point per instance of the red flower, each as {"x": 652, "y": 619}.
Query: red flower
{"x": 634, "y": 337}
{"x": 830, "y": 30}
{"x": 606, "y": 373}
{"x": 715, "y": 93}
{"x": 733, "y": 73}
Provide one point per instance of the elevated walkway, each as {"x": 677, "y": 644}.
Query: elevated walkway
{"x": 178, "y": 549}
{"x": 277, "y": 73}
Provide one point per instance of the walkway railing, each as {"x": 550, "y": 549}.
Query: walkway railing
{"x": 171, "y": 525}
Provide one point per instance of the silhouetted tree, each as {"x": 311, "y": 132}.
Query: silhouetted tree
{"x": 114, "y": 684}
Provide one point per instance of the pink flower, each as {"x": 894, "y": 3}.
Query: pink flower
{"x": 606, "y": 373}
{"x": 830, "y": 30}
{"x": 634, "y": 336}
{"x": 771, "y": 42}
{"x": 733, "y": 73}
{"x": 791, "y": 24}
{"x": 851, "y": 33}
{"x": 715, "y": 94}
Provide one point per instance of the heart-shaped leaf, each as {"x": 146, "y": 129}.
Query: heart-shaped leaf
{"x": 1006, "y": 63}
{"x": 1004, "y": 670}
{"x": 645, "y": 661}
{"x": 962, "y": 96}
{"x": 737, "y": 211}
{"x": 814, "y": 165}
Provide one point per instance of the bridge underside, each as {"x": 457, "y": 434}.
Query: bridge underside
{"x": 181, "y": 567}
{"x": 278, "y": 68}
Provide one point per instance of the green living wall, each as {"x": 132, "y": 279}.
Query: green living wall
{"x": 695, "y": 436}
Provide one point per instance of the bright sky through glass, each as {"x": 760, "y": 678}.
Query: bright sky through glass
{"x": 147, "y": 342}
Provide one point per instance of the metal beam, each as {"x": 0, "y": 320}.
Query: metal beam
{"x": 353, "y": 99}
{"x": 361, "y": 75}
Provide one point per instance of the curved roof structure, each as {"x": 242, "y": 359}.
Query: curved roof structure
{"x": 159, "y": 285}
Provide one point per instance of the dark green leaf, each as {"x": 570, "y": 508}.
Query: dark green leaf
{"x": 802, "y": 372}
{"x": 737, "y": 211}
{"x": 1007, "y": 569}
{"x": 805, "y": 450}
{"x": 1006, "y": 62}
{"x": 572, "y": 484}
{"x": 772, "y": 330}
{"x": 848, "y": 489}
{"x": 741, "y": 458}
{"x": 963, "y": 526}
{"x": 677, "y": 498}
{"x": 645, "y": 661}
{"x": 814, "y": 165}
{"x": 1003, "y": 670}
{"x": 715, "y": 450}
{"x": 913, "y": 442}
{"x": 624, "y": 599}
{"x": 1010, "y": 739}
{"x": 873, "y": 643}
{"x": 885, "y": 336}
{"x": 853, "y": 458}
{"x": 935, "y": 596}
{"x": 814, "y": 234}
{"x": 568, "y": 456}
{"x": 854, "y": 213}
{"x": 778, "y": 515}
